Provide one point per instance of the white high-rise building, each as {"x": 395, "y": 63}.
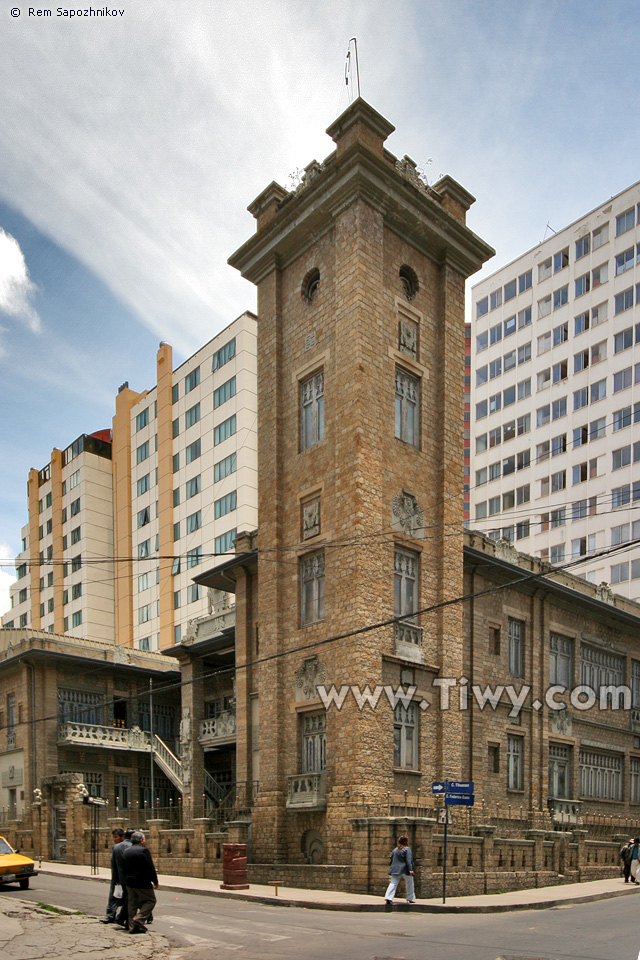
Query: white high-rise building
{"x": 555, "y": 397}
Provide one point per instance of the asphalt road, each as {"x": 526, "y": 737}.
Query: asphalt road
{"x": 201, "y": 927}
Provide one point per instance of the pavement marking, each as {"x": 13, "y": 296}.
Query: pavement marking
{"x": 195, "y": 941}
{"x": 216, "y": 928}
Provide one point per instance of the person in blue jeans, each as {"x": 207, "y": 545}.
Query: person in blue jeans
{"x": 401, "y": 865}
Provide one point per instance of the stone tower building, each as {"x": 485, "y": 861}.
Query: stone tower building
{"x": 360, "y": 274}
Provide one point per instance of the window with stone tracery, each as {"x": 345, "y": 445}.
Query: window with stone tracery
{"x": 407, "y": 419}
{"x": 314, "y": 742}
{"x": 405, "y": 601}
{"x": 312, "y": 589}
{"x": 312, "y": 410}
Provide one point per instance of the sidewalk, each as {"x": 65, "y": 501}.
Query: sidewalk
{"x": 536, "y": 899}
{"x": 28, "y": 932}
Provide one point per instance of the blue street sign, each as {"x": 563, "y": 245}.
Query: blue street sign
{"x": 460, "y": 786}
{"x": 438, "y": 787}
{"x": 459, "y": 799}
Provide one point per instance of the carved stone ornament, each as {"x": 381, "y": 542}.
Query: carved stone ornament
{"x": 310, "y": 520}
{"x": 185, "y": 726}
{"x": 120, "y": 654}
{"x": 308, "y": 676}
{"x": 408, "y": 168}
{"x": 505, "y": 550}
{"x": 408, "y": 339}
{"x": 137, "y": 738}
{"x": 407, "y": 516}
{"x": 604, "y": 593}
{"x": 561, "y": 723}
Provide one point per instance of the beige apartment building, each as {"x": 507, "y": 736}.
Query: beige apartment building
{"x": 555, "y": 398}
{"x": 121, "y": 520}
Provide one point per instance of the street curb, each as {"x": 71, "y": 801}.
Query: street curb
{"x": 431, "y": 908}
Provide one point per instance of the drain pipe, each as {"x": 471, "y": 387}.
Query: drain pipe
{"x": 34, "y": 761}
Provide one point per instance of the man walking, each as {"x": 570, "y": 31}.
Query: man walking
{"x": 141, "y": 879}
{"x": 114, "y": 902}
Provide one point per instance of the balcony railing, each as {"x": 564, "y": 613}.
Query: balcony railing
{"x": 218, "y": 730}
{"x": 407, "y": 638}
{"x": 98, "y": 735}
{"x": 307, "y": 792}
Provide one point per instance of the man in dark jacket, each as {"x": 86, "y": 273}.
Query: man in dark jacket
{"x": 141, "y": 879}
{"x": 117, "y": 879}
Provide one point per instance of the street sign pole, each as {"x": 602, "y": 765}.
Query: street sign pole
{"x": 444, "y": 860}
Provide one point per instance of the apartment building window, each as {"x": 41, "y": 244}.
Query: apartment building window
{"x": 144, "y": 549}
{"x": 144, "y": 613}
{"x": 625, "y": 221}
{"x": 508, "y": 396}
{"x": 175, "y": 393}
{"x": 581, "y": 323}
{"x": 142, "y": 419}
{"x": 524, "y": 353}
{"x": 600, "y": 236}
{"x": 495, "y": 299}
{"x": 598, "y": 428}
{"x": 194, "y": 521}
{"x": 494, "y": 504}
{"x": 508, "y": 465}
{"x": 600, "y": 775}
{"x": 224, "y": 430}
{"x": 580, "y": 361}
{"x": 225, "y": 505}
{"x": 314, "y": 742}
{"x": 176, "y": 531}
{"x": 192, "y": 452}
{"x": 523, "y": 424}
{"x": 143, "y": 582}
{"x": 559, "y": 767}
{"x": 482, "y": 342}
{"x": 556, "y": 553}
{"x": 524, "y": 281}
{"x": 194, "y": 557}
{"x": 622, "y": 380}
{"x": 224, "y": 354}
{"x": 583, "y": 246}
{"x": 76, "y": 619}
{"x": 598, "y": 352}
{"x": 144, "y": 517}
{"x": 482, "y": 307}
{"x": 582, "y": 285}
{"x": 514, "y": 763}
{"x": 624, "y": 261}
{"x": 522, "y": 530}
{"x": 481, "y": 510}
{"x": 544, "y": 307}
{"x": 561, "y": 260}
{"x": 194, "y": 592}
{"x": 559, "y": 371}
{"x": 176, "y": 497}
{"x": 560, "y": 297}
{"x": 523, "y": 494}
{"x": 623, "y": 301}
{"x": 558, "y": 517}
{"x": 407, "y": 409}
{"x": 192, "y": 416}
{"x": 192, "y": 380}
{"x": 312, "y": 589}
{"x": 509, "y": 430}
{"x": 482, "y": 375}
{"x": 621, "y": 458}
{"x": 23, "y": 619}
{"x": 176, "y": 600}
{"x": 142, "y": 452}
{"x": 142, "y": 485}
{"x": 621, "y": 419}
{"x": 224, "y": 468}
{"x": 481, "y": 477}
{"x": 75, "y": 536}
{"x": 64, "y": 515}
{"x": 495, "y": 368}
{"x": 176, "y": 462}
{"x": 192, "y": 487}
{"x": 544, "y": 343}
{"x": 510, "y": 325}
{"x": 76, "y": 592}
{"x": 544, "y": 270}
{"x": 175, "y": 428}
{"x": 76, "y": 563}
{"x": 580, "y": 398}
{"x": 619, "y": 573}
{"x": 75, "y": 508}
{"x": 481, "y": 410}
{"x": 621, "y": 496}
{"x": 405, "y": 736}
{"x": 524, "y": 318}
{"x": 523, "y": 459}
{"x": 515, "y": 635}
{"x": 495, "y": 403}
{"x": 559, "y": 408}
{"x": 224, "y": 393}
{"x": 558, "y": 445}
{"x": 508, "y": 503}
{"x": 543, "y": 415}
{"x": 599, "y": 275}
{"x": 598, "y": 390}
{"x": 224, "y": 543}
{"x": 623, "y": 340}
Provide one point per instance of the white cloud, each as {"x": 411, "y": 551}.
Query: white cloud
{"x": 16, "y": 287}
{"x": 6, "y": 578}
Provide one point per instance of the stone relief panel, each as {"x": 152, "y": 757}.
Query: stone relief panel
{"x": 407, "y": 516}
{"x": 308, "y": 676}
{"x": 311, "y": 519}
{"x": 408, "y": 339}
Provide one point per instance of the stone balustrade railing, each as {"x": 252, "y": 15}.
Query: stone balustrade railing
{"x": 217, "y": 728}
{"x": 307, "y": 791}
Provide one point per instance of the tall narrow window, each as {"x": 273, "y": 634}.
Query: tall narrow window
{"x": 516, "y": 647}
{"x": 514, "y": 763}
{"x": 559, "y": 771}
{"x": 312, "y": 589}
{"x": 407, "y": 426}
{"x": 312, "y": 411}
{"x": 314, "y": 742}
{"x": 405, "y": 736}
{"x": 405, "y": 600}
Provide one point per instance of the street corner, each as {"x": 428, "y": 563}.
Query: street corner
{"x": 61, "y": 932}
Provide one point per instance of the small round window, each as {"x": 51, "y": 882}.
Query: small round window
{"x": 409, "y": 281}
{"x": 310, "y": 284}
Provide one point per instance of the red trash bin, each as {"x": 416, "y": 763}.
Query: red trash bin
{"x": 234, "y": 866}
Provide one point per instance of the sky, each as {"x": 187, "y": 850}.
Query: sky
{"x": 131, "y": 145}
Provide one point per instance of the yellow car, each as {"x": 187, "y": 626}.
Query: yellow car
{"x": 14, "y": 868}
